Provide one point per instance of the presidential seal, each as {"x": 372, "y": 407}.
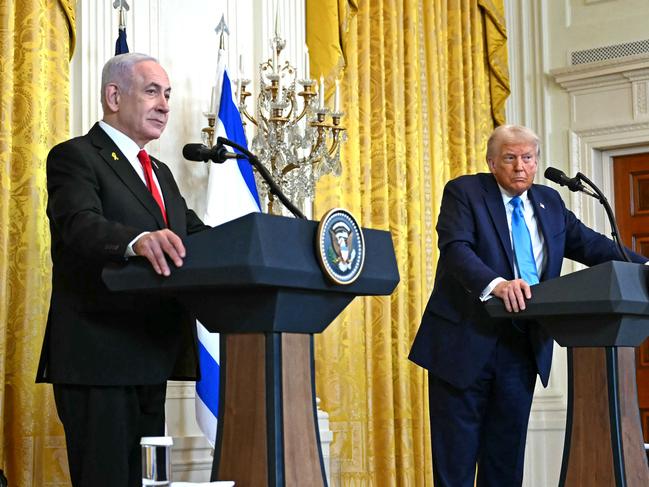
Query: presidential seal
{"x": 340, "y": 246}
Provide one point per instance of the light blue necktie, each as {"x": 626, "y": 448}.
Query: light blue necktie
{"x": 523, "y": 244}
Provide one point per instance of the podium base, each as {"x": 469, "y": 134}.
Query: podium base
{"x": 267, "y": 433}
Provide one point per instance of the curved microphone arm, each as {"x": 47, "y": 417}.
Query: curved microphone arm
{"x": 615, "y": 232}
{"x": 263, "y": 172}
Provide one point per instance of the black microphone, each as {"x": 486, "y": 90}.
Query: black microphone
{"x": 200, "y": 152}
{"x": 263, "y": 172}
{"x": 575, "y": 184}
{"x": 557, "y": 176}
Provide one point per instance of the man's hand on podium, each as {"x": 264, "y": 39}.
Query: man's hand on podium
{"x": 513, "y": 294}
{"x": 155, "y": 245}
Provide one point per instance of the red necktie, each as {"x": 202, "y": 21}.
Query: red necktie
{"x": 150, "y": 183}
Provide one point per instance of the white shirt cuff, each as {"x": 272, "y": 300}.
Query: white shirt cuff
{"x": 129, "y": 248}
{"x": 486, "y": 292}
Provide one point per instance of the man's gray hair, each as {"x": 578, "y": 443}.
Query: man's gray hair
{"x": 119, "y": 70}
{"x": 511, "y": 134}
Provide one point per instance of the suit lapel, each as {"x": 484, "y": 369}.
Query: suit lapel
{"x": 494, "y": 203}
{"x": 122, "y": 167}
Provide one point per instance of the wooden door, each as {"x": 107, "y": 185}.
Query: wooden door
{"x": 632, "y": 213}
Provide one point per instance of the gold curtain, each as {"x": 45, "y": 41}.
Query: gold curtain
{"x": 36, "y": 42}
{"x": 326, "y": 34}
{"x": 424, "y": 83}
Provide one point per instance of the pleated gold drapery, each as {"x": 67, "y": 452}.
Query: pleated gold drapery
{"x": 36, "y": 42}
{"x": 424, "y": 83}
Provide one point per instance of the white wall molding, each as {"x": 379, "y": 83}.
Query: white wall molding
{"x": 622, "y": 133}
{"x": 181, "y": 390}
{"x": 617, "y": 68}
{"x": 608, "y": 110}
{"x": 527, "y": 48}
{"x": 191, "y": 459}
{"x": 587, "y": 156}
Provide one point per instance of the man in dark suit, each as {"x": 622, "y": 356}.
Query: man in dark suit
{"x": 498, "y": 234}
{"x": 109, "y": 355}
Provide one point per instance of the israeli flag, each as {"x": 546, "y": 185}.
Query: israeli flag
{"x": 121, "y": 46}
{"x": 231, "y": 193}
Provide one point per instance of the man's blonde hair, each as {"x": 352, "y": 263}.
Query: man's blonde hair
{"x": 511, "y": 134}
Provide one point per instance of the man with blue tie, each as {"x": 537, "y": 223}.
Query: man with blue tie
{"x": 498, "y": 234}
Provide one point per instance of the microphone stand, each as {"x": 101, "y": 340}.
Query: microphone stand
{"x": 615, "y": 232}
{"x": 263, "y": 172}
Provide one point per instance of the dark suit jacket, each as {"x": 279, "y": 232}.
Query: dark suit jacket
{"x": 456, "y": 337}
{"x": 97, "y": 206}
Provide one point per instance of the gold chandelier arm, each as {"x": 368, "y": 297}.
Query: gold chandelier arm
{"x": 301, "y": 115}
{"x": 336, "y": 140}
{"x": 293, "y": 109}
{"x": 288, "y": 168}
{"x": 334, "y": 146}
{"x": 245, "y": 113}
{"x": 307, "y": 95}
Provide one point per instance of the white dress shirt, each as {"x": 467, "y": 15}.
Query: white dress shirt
{"x": 538, "y": 243}
{"x": 130, "y": 149}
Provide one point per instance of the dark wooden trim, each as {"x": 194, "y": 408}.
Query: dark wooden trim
{"x": 275, "y": 409}
{"x": 617, "y": 446}
{"x": 569, "y": 420}
{"x": 315, "y": 411}
{"x": 218, "y": 441}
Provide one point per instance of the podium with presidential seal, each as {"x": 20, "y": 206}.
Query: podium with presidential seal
{"x": 269, "y": 283}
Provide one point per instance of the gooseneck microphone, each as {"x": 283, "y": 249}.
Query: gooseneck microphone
{"x": 200, "y": 152}
{"x": 219, "y": 154}
{"x": 263, "y": 172}
{"x": 557, "y": 176}
{"x": 575, "y": 184}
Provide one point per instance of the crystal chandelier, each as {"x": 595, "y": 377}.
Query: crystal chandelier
{"x": 297, "y": 137}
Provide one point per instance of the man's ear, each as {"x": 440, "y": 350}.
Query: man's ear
{"x": 112, "y": 95}
{"x": 490, "y": 163}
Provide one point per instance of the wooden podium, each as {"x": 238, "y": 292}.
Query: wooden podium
{"x": 256, "y": 280}
{"x": 599, "y": 313}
